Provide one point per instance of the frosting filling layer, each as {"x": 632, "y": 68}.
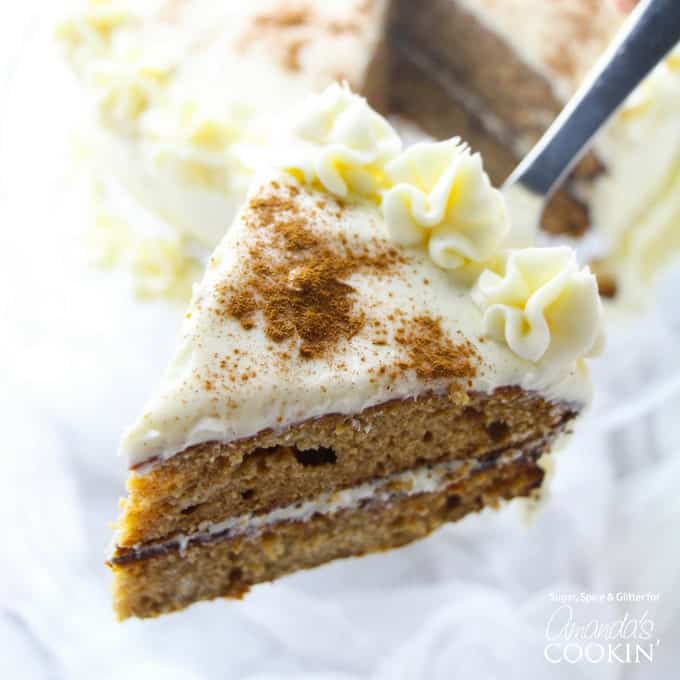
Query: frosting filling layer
{"x": 421, "y": 480}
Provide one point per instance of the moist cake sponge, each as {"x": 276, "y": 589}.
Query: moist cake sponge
{"x": 222, "y": 565}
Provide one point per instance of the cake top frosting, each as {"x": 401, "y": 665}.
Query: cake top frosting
{"x": 177, "y": 84}
{"x": 313, "y": 304}
{"x": 164, "y": 56}
{"x": 560, "y": 39}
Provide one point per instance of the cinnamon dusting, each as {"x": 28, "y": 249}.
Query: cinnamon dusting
{"x": 432, "y": 353}
{"x": 288, "y": 28}
{"x": 295, "y": 278}
{"x": 291, "y": 55}
{"x": 284, "y": 16}
{"x": 579, "y": 29}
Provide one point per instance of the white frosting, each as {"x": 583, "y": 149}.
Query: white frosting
{"x": 434, "y": 193}
{"x": 422, "y": 480}
{"x": 162, "y": 264}
{"x": 278, "y": 394}
{"x": 542, "y": 305}
{"x": 125, "y": 88}
{"x": 340, "y": 142}
{"x": 441, "y": 195}
{"x": 89, "y": 29}
{"x": 178, "y": 85}
{"x": 636, "y": 204}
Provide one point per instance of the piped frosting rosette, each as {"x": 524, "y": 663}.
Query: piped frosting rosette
{"x": 441, "y": 196}
{"x": 86, "y": 32}
{"x": 338, "y": 141}
{"x": 541, "y": 304}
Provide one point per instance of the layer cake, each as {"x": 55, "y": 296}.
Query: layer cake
{"x": 181, "y": 85}
{"x": 177, "y": 84}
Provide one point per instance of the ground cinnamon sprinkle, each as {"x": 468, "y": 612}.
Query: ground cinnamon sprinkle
{"x": 284, "y": 16}
{"x": 291, "y": 55}
{"x": 243, "y": 308}
{"x": 295, "y": 278}
{"x": 287, "y": 29}
{"x": 338, "y": 26}
{"x": 432, "y": 353}
{"x": 579, "y": 30}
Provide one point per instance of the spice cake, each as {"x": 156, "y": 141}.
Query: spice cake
{"x": 363, "y": 361}
{"x": 180, "y": 84}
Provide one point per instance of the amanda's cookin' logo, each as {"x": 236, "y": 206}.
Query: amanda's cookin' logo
{"x": 626, "y": 640}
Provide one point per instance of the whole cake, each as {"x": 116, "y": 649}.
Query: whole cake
{"x": 364, "y": 360}
{"x": 179, "y": 84}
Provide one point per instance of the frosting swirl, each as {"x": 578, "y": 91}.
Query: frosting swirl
{"x": 87, "y": 34}
{"x": 126, "y": 86}
{"x": 340, "y": 142}
{"x": 655, "y": 98}
{"x": 442, "y": 196}
{"x": 636, "y": 204}
{"x": 541, "y": 304}
{"x": 197, "y": 143}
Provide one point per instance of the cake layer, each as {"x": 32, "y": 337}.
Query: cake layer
{"x": 497, "y": 81}
{"x": 272, "y": 470}
{"x": 222, "y": 565}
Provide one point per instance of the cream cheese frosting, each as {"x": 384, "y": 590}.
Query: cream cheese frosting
{"x": 440, "y": 194}
{"x": 338, "y": 141}
{"x": 422, "y": 480}
{"x": 542, "y": 304}
{"x": 177, "y": 85}
{"x": 635, "y": 205}
{"x": 240, "y": 371}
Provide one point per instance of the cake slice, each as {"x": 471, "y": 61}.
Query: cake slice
{"x": 363, "y": 361}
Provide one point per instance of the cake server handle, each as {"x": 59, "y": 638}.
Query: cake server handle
{"x": 649, "y": 33}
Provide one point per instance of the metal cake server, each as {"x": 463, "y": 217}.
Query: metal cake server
{"x": 650, "y": 32}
